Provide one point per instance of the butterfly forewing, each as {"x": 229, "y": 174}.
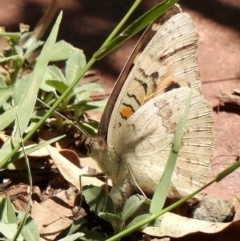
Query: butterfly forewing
{"x": 167, "y": 62}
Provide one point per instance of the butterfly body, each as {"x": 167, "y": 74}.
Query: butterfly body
{"x": 138, "y": 126}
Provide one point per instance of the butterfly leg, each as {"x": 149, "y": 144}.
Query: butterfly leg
{"x": 121, "y": 191}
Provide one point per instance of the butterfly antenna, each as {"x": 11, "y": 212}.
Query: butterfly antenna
{"x": 69, "y": 121}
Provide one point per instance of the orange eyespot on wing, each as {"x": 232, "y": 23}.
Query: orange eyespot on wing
{"x": 127, "y": 111}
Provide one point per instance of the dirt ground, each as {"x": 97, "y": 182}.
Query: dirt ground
{"x": 87, "y": 23}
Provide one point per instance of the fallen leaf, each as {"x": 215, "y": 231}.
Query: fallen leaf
{"x": 181, "y": 228}
{"x": 71, "y": 172}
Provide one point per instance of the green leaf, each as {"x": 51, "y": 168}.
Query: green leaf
{"x": 14, "y": 35}
{"x": 28, "y": 103}
{"x": 58, "y": 85}
{"x": 18, "y": 56}
{"x": 97, "y": 199}
{"x": 30, "y": 229}
{"x": 139, "y": 219}
{"x": 8, "y": 230}
{"x": 29, "y": 150}
{"x": 2, "y": 82}
{"x": 32, "y": 47}
{"x": 85, "y": 106}
{"x": 56, "y": 73}
{"x": 74, "y": 64}
{"x": 7, "y": 118}
{"x": 83, "y": 92}
{"x": 132, "y": 205}
{"x": 115, "y": 220}
{"x": 72, "y": 237}
{"x": 52, "y": 73}
{"x": 7, "y": 211}
{"x": 92, "y": 236}
{"x": 5, "y": 93}
{"x": 61, "y": 51}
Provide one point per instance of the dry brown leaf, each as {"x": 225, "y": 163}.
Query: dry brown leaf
{"x": 70, "y": 172}
{"x": 51, "y": 216}
{"x": 176, "y": 226}
{"x": 71, "y": 156}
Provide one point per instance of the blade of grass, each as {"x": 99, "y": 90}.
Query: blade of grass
{"x": 134, "y": 28}
{"x": 20, "y": 227}
{"x": 120, "y": 25}
{"x": 162, "y": 189}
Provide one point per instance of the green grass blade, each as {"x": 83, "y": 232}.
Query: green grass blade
{"x": 134, "y": 28}
{"x": 120, "y": 25}
{"x": 227, "y": 171}
{"x": 161, "y": 192}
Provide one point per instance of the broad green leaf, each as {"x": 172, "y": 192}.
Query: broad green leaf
{"x": 61, "y": 51}
{"x": 74, "y": 64}
{"x": 89, "y": 87}
{"x": 2, "y": 82}
{"x": 97, "y": 199}
{"x": 7, "y": 214}
{"x": 52, "y": 73}
{"x": 131, "y": 206}
{"x": 58, "y": 85}
{"x": 56, "y": 73}
{"x": 114, "y": 219}
{"x": 8, "y": 231}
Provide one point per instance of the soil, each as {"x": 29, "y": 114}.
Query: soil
{"x": 87, "y": 23}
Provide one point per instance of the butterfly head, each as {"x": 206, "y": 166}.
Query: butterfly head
{"x": 104, "y": 155}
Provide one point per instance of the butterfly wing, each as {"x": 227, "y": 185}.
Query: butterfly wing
{"x": 167, "y": 62}
{"x": 146, "y": 138}
{"x": 124, "y": 76}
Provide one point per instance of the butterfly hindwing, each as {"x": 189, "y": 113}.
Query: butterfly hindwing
{"x": 146, "y": 138}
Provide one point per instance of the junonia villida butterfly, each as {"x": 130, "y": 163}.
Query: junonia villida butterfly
{"x": 137, "y": 127}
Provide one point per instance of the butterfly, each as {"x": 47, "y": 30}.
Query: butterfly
{"x": 137, "y": 128}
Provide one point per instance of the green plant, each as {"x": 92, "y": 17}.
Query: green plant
{"x": 20, "y": 227}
